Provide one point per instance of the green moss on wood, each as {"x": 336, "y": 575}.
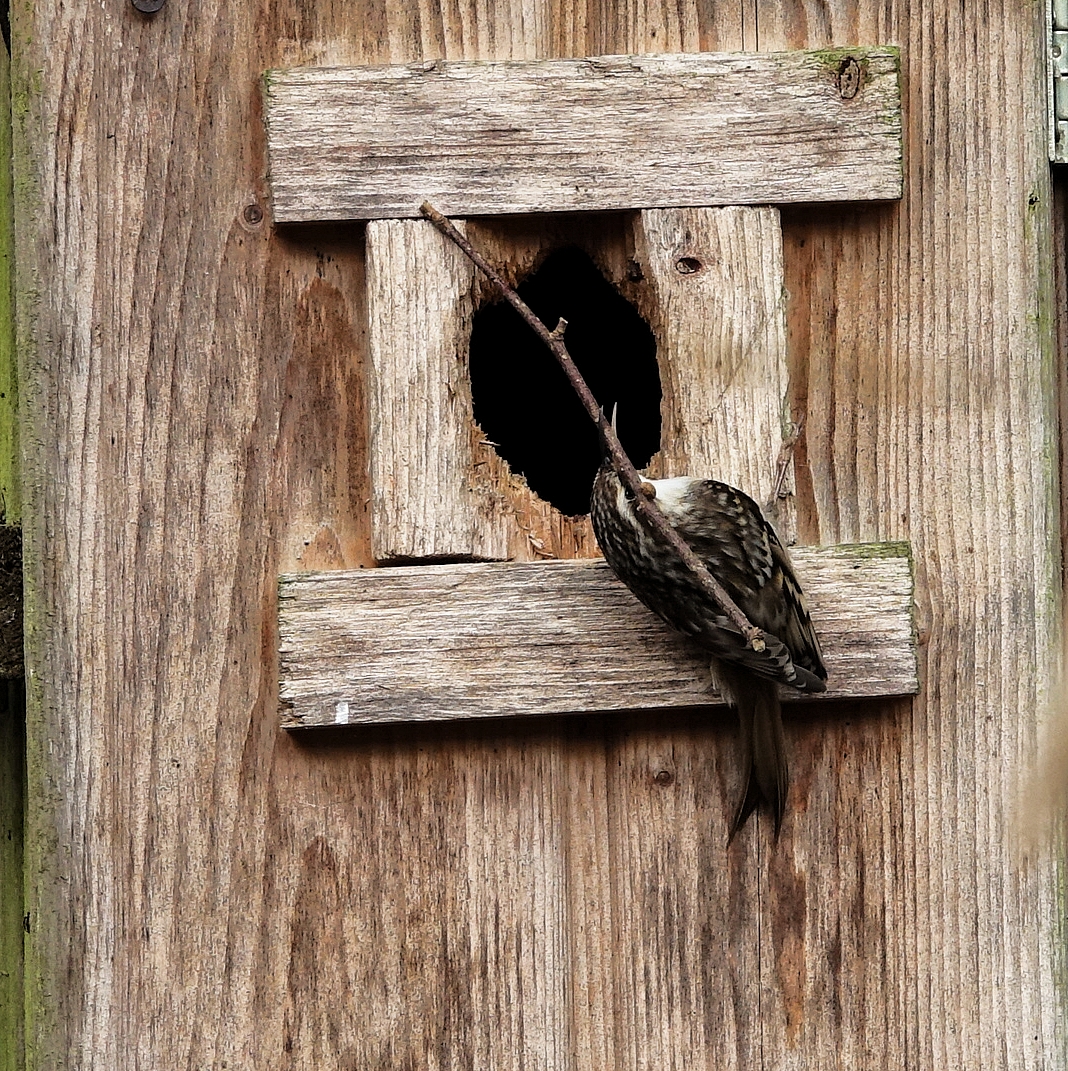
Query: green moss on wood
{"x": 833, "y": 57}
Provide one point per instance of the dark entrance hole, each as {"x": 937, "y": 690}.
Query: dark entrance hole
{"x": 523, "y": 401}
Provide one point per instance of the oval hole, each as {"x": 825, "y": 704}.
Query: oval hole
{"x": 523, "y": 401}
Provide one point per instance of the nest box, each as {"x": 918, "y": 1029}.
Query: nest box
{"x": 682, "y": 159}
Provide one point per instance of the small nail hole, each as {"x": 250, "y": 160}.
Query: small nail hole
{"x": 664, "y": 777}
{"x": 687, "y": 265}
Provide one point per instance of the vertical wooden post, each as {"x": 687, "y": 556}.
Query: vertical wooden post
{"x": 419, "y": 314}
{"x": 719, "y": 310}
{"x": 12, "y": 693}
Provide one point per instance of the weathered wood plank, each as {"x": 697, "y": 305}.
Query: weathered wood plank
{"x": 687, "y": 906}
{"x": 424, "y": 503}
{"x": 611, "y": 132}
{"x": 715, "y": 297}
{"x": 468, "y": 641}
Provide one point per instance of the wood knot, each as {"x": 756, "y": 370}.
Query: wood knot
{"x": 848, "y": 78}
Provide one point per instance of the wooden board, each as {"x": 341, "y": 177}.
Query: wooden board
{"x": 439, "y": 490}
{"x": 12, "y": 689}
{"x": 474, "y": 641}
{"x": 203, "y": 888}
{"x": 720, "y": 328}
{"x": 424, "y": 501}
{"x": 609, "y": 132}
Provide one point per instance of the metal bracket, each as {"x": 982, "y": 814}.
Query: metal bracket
{"x": 1058, "y": 63}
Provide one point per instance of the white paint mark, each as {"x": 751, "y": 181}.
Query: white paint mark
{"x": 341, "y": 713}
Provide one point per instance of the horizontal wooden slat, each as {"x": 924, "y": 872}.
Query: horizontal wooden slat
{"x": 613, "y": 132}
{"x": 424, "y": 643}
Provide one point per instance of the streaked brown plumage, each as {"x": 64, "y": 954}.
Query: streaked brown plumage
{"x": 728, "y": 532}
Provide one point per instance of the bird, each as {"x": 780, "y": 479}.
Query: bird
{"x": 730, "y": 535}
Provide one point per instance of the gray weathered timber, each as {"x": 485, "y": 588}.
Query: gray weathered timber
{"x": 424, "y": 643}
{"x": 419, "y": 303}
{"x": 611, "y": 132}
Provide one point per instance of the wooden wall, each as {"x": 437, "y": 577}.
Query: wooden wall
{"x": 205, "y": 891}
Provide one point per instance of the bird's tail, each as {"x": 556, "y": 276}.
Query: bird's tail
{"x": 763, "y": 745}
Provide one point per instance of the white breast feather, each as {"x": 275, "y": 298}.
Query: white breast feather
{"x": 670, "y": 497}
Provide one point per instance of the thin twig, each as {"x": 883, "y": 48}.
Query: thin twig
{"x": 620, "y": 462}
{"x": 786, "y": 455}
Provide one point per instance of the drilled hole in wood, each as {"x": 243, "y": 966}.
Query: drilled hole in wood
{"x": 523, "y": 402}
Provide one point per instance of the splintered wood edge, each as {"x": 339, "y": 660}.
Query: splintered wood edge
{"x": 442, "y": 642}
{"x": 598, "y": 134}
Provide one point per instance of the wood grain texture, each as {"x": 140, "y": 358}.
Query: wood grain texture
{"x": 419, "y": 313}
{"x": 203, "y": 889}
{"x": 931, "y": 414}
{"x": 604, "y": 133}
{"x": 1060, "y": 304}
{"x": 494, "y": 640}
{"x": 716, "y": 299}
{"x": 10, "y": 488}
{"x": 12, "y": 690}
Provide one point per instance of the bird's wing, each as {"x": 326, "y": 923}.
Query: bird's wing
{"x": 743, "y": 552}
{"x": 797, "y": 631}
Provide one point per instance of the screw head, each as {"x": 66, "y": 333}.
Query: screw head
{"x": 253, "y": 214}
